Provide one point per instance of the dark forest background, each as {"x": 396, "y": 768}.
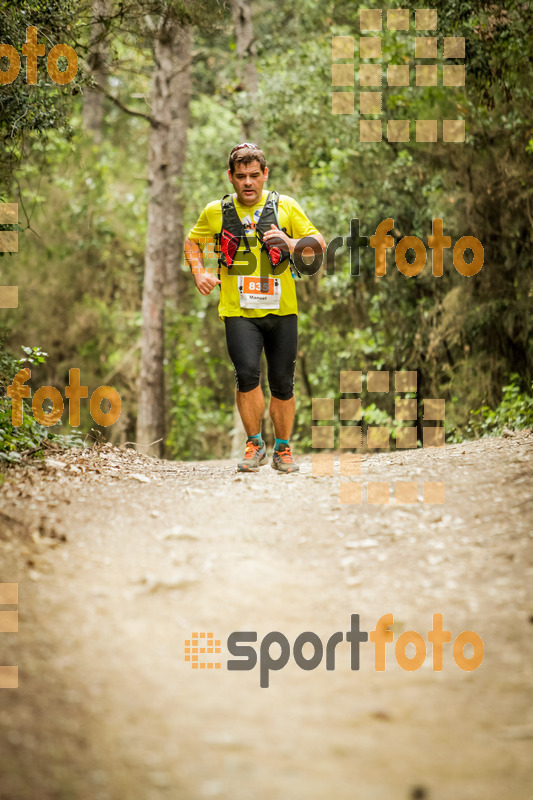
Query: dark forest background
{"x": 110, "y": 170}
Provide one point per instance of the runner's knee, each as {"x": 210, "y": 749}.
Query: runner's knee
{"x": 281, "y": 378}
{"x": 282, "y": 388}
{"x": 247, "y": 379}
{"x": 281, "y": 395}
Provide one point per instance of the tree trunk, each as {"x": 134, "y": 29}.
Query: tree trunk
{"x": 179, "y": 103}
{"x": 246, "y": 65}
{"x": 167, "y": 146}
{"x": 93, "y": 101}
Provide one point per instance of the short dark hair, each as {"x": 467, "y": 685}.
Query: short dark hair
{"x": 246, "y": 154}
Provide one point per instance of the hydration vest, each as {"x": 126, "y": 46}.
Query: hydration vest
{"x": 233, "y": 231}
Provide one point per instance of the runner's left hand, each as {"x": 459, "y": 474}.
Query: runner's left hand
{"x": 276, "y": 238}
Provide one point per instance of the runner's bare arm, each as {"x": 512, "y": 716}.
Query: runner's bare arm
{"x": 205, "y": 280}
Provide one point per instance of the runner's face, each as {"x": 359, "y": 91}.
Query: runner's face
{"x": 248, "y": 182}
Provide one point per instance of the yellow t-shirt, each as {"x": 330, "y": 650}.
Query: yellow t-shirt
{"x": 291, "y": 216}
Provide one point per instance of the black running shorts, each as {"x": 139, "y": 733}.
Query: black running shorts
{"x": 246, "y": 337}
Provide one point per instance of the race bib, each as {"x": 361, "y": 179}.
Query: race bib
{"x": 259, "y": 292}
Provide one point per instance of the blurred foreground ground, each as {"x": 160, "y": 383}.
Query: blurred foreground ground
{"x": 120, "y": 558}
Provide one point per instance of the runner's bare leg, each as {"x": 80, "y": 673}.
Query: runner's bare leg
{"x": 282, "y": 415}
{"x": 251, "y": 406}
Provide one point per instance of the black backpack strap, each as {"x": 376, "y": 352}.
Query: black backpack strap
{"x": 274, "y": 199}
{"x": 231, "y": 234}
{"x": 289, "y": 255}
{"x": 230, "y": 219}
{"x": 227, "y": 206}
{"x": 269, "y": 216}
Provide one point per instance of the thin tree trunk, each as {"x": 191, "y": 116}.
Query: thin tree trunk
{"x": 179, "y": 100}
{"x": 246, "y": 64}
{"x": 171, "y": 59}
{"x": 93, "y": 101}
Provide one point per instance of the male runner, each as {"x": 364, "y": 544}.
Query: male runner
{"x": 257, "y": 295}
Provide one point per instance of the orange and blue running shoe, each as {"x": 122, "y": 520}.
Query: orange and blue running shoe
{"x": 282, "y": 461}
{"x": 255, "y": 456}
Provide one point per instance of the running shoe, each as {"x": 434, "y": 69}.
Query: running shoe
{"x": 282, "y": 461}
{"x": 255, "y": 456}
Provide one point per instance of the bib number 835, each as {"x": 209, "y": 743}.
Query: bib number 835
{"x": 259, "y": 286}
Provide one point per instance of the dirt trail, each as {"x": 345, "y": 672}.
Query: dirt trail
{"x": 107, "y": 708}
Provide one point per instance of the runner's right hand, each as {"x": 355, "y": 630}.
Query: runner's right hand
{"x": 206, "y": 282}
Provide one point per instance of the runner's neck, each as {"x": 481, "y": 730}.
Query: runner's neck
{"x": 259, "y": 203}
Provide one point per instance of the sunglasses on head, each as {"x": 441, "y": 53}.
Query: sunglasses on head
{"x": 251, "y": 145}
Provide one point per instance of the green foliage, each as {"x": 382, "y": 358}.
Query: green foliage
{"x": 30, "y": 437}
{"x": 200, "y": 386}
{"x": 514, "y": 412}
{"x": 29, "y": 112}
{"x": 85, "y": 254}
{"x": 462, "y": 335}
{"x": 80, "y": 274}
